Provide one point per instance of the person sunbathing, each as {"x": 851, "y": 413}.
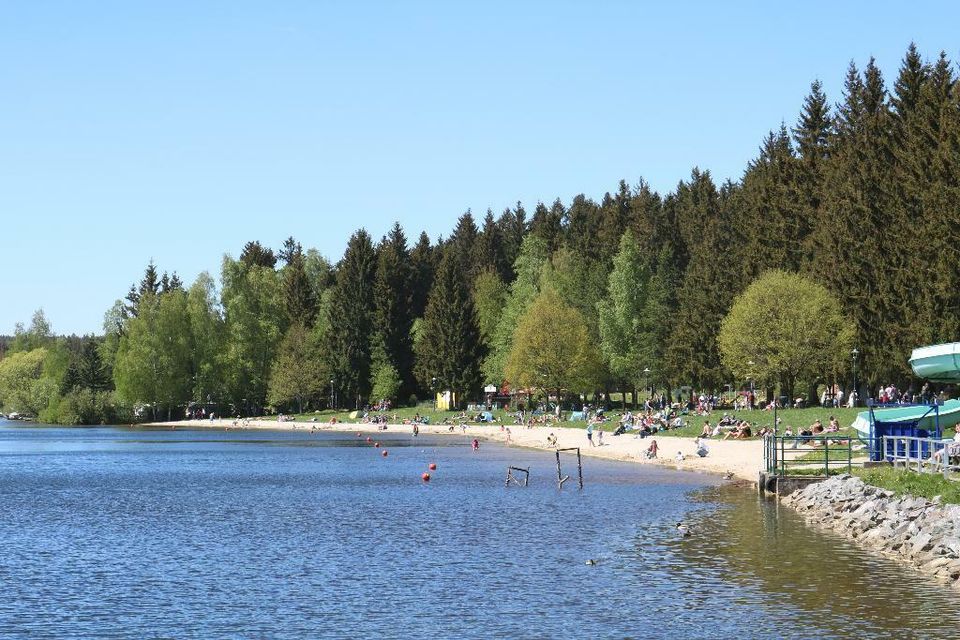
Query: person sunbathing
{"x": 706, "y": 431}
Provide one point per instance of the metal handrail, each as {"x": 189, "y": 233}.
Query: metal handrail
{"x": 781, "y": 454}
{"x": 930, "y": 455}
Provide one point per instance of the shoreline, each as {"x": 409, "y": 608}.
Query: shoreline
{"x": 739, "y": 459}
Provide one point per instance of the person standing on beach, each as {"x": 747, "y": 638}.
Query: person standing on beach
{"x": 590, "y": 433}
{"x": 599, "y": 436}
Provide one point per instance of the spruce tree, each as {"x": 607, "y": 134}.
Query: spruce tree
{"x": 351, "y": 313}
{"x": 299, "y": 297}
{"x": 255, "y": 253}
{"x": 393, "y": 344}
{"x": 463, "y": 243}
{"x": 450, "y": 349}
{"x": 421, "y": 274}
{"x": 491, "y": 253}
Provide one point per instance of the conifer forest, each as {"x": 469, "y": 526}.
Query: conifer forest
{"x": 573, "y": 299}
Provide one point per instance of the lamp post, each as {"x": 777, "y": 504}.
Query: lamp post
{"x": 646, "y": 382}
{"x": 433, "y": 391}
{"x": 750, "y": 364}
{"x": 333, "y": 396}
{"x": 854, "y": 355}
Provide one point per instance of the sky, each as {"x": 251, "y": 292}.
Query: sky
{"x": 177, "y": 131}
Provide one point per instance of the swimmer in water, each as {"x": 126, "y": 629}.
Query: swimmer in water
{"x": 476, "y": 445}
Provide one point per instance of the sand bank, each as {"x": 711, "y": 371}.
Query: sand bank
{"x": 741, "y": 458}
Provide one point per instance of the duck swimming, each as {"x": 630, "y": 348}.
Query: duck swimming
{"x": 683, "y": 530}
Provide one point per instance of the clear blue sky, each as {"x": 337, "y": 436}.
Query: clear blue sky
{"x": 179, "y": 130}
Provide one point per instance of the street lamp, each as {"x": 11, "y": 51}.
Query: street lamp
{"x": 333, "y": 397}
{"x": 433, "y": 391}
{"x": 854, "y": 355}
{"x": 750, "y": 364}
{"x": 646, "y": 381}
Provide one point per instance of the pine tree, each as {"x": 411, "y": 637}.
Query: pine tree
{"x": 709, "y": 282}
{"x": 812, "y": 136}
{"x": 857, "y": 257}
{"x": 255, "y": 253}
{"x": 513, "y": 228}
{"x": 768, "y": 213}
{"x": 393, "y": 344}
{"x": 547, "y": 224}
{"x": 421, "y": 275}
{"x": 351, "y": 320}
{"x": 299, "y": 297}
{"x": 491, "y": 253}
{"x": 463, "y": 243}
{"x": 450, "y": 349}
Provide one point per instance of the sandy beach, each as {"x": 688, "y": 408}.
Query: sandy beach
{"x": 742, "y": 458}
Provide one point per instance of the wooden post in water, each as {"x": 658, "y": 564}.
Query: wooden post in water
{"x": 562, "y": 478}
{"x": 579, "y": 467}
{"x": 559, "y": 472}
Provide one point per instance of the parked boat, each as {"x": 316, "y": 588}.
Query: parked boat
{"x": 939, "y": 362}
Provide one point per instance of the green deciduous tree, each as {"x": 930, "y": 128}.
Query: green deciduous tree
{"x": 298, "y": 373}
{"x": 255, "y": 322}
{"x": 551, "y": 348}
{"x": 385, "y": 384}
{"x": 625, "y": 341}
{"x": 23, "y": 386}
{"x": 528, "y": 267}
{"x": 789, "y": 327}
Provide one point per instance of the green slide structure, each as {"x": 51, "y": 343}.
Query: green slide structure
{"x": 938, "y": 363}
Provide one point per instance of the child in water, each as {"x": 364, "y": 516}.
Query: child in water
{"x": 476, "y": 445}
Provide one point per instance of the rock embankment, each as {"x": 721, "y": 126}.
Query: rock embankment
{"x": 924, "y": 533}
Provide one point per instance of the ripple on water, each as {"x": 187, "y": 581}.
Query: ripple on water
{"x": 119, "y": 533}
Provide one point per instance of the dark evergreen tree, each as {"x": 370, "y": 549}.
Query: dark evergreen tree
{"x": 513, "y": 229}
{"x": 149, "y": 286}
{"x": 812, "y": 137}
{"x": 255, "y": 253}
{"x": 491, "y": 254}
{"x": 463, "y": 243}
{"x": 350, "y": 329}
{"x": 450, "y": 348}
{"x": 393, "y": 319}
{"x": 548, "y": 224}
{"x": 421, "y": 274}
{"x": 709, "y": 282}
{"x": 857, "y": 253}
{"x": 299, "y": 293}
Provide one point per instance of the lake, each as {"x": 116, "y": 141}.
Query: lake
{"x": 157, "y": 533}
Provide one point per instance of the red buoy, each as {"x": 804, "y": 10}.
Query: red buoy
{"x": 425, "y": 476}
{"x": 384, "y": 454}
{"x": 376, "y": 444}
{"x": 433, "y": 466}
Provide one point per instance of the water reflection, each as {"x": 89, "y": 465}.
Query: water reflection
{"x": 157, "y": 533}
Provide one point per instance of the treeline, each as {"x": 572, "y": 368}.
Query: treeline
{"x": 862, "y": 196}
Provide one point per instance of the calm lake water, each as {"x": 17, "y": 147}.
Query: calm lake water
{"x": 135, "y": 533}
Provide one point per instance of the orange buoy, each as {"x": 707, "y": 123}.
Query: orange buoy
{"x": 376, "y": 444}
{"x": 433, "y": 466}
{"x": 384, "y": 454}
{"x": 425, "y": 476}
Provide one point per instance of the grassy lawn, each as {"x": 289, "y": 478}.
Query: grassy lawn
{"x": 902, "y": 482}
